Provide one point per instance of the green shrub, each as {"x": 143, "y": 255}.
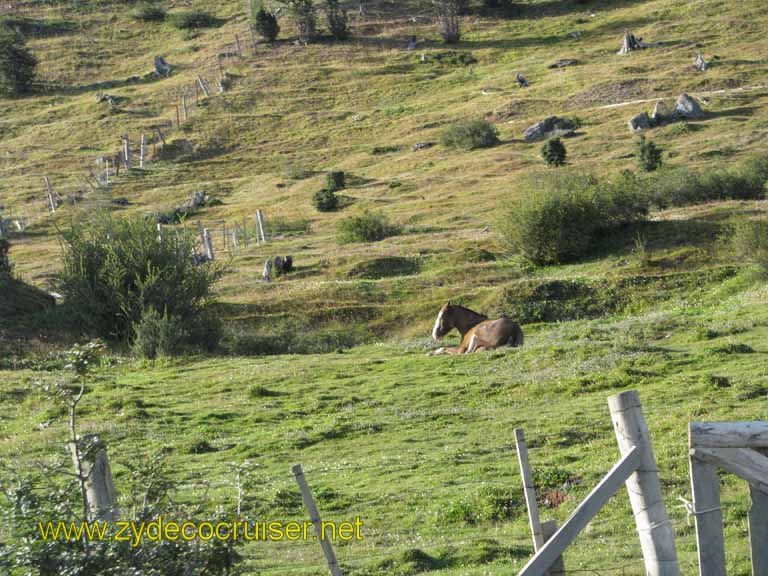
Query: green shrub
{"x": 558, "y": 214}
{"x": 116, "y": 269}
{"x": 470, "y": 134}
{"x": 150, "y": 12}
{"x": 749, "y": 240}
{"x": 683, "y": 186}
{"x": 554, "y": 153}
{"x": 266, "y": 26}
{"x": 337, "y": 20}
{"x": 336, "y": 180}
{"x": 325, "y": 200}
{"x": 648, "y": 155}
{"x": 157, "y": 335}
{"x": 194, "y": 20}
{"x": 365, "y": 227}
{"x": 297, "y": 171}
{"x": 17, "y": 64}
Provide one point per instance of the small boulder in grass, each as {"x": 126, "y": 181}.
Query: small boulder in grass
{"x": 640, "y": 122}
{"x": 688, "y": 108}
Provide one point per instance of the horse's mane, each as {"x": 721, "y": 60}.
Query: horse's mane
{"x": 465, "y": 309}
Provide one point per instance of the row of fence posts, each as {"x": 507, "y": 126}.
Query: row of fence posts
{"x": 739, "y": 447}
{"x": 231, "y": 235}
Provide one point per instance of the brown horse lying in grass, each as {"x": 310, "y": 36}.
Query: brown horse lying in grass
{"x": 477, "y": 332}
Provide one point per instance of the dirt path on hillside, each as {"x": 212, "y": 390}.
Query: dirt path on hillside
{"x": 709, "y": 93}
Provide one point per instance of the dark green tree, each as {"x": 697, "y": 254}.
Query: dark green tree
{"x": 337, "y": 20}
{"x": 266, "y": 26}
{"x": 648, "y": 155}
{"x": 17, "y": 63}
{"x": 554, "y": 153}
{"x": 304, "y": 18}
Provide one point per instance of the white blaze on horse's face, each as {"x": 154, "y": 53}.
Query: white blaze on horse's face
{"x": 437, "y": 330}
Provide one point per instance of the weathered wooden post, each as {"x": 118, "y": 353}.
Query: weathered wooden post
{"x": 758, "y": 530}
{"x": 541, "y": 532}
{"x": 49, "y": 193}
{"x": 239, "y": 48}
{"x": 99, "y": 486}
{"x": 314, "y": 515}
{"x": 235, "y": 244}
{"x": 184, "y": 106}
{"x": 178, "y": 117}
{"x": 142, "y": 150}
{"x": 260, "y": 222}
{"x": 203, "y": 87}
{"x": 127, "y": 152}
{"x": 208, "y": 245}
{"x": 657, "y": 539}
{"x": 245, "y": 232}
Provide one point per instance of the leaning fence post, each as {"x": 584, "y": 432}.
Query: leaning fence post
{"x": 127, "y": 152}
{"x": 142, "y": 150}
{"x": 100, "y": 489}
{"x": 260, "y": 222}
{"x": 208, "y": 244}
{"x": 657, "y": 539}
{"x": 49, "y": 192}
{"x": 314, "y": 515}
{"x": 529, "y": 491}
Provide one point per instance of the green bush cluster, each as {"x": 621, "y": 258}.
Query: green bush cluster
{"x": 5, "y": 262}
{"x": 116, "y": 270}
{"x": 326, "y": 200}
{"x": 337, "y": 20}
{"x": 157, "y": 335}
{"x": 365, "y": 227}
{"x": 470, "y": 134}
{"x": 558, "y": 214}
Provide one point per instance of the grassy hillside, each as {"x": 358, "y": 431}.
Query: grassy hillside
{"x": 421, "y": 448}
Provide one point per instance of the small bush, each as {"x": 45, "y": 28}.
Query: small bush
{"x": 150, "y": 12}
{"x": 325, "y": 200}
{"x": 194, "y": 20}
{"x": 266, "y": 26}
{"x": 337, "y": 20}
{"x": 17, "y": 64}
{"x": 366, "y": 227}
{"x": 648, "y": 155}
{"x": 336, "y": 180}
{"x": 554, "y": 153}
{"x": 470, "y": 134}
{"x": 750, "y": 242}
{"x": 297, "y": 171}
{"x": 156, "y": 335}
{"x": 559, "y": 214}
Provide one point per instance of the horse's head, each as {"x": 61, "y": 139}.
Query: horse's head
{"x": 444, "y": 322}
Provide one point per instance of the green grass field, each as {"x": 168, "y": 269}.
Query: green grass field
{"x": 421, "y": 448}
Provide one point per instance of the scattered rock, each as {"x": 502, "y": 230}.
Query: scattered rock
{"x": 688, "y": 108}
{"x": 162, "y": 68}
{"x": 521, "y": 80}
{"x": 120, "y": 202}
{"x": 576, "y": 35}
{"x": 563, "y": 63}
{"x": 553, "y": 126}
{"x": 700, "y": 64}
{"x": 640, "y": 122}
{"x": 411, "y": 43}
{"x": 266, "y": 275}
{"x": 630, "y": 44}
{"x": 198, "y": 200}
{"x": 660, "y": 113}
{"x": 422, "y": 146}
{"x": 104, "y": 97}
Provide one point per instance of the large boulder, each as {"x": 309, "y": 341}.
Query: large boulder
{"x": 660, "y": 113}
{"x": 551, "y": 127}
{"x": 688, "y": 108}
{"x": 640, "y": 122}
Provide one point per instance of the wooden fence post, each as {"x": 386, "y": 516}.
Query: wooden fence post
{"x": 548, "y": 530}
{"x": 203, "y": 87}
{"x": 208, "y": 245}
{"x": 100, "y": 488}
{"x": 529, "y": 490}
{"x": 184, "y": 106}
{"x": 758, "y": 531}
{"x": 314, "y": 515}
{"x": 239, "y": 47}
{"x": 49, "y": 193}
{"x": 127, "y": 152}
{"x": 143, "y": 150}
{"x": 657, "y": 538}
{"x": 245, "y": 232}
{"x": 178, "y": 118}
{"x": 260, "y": 222}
